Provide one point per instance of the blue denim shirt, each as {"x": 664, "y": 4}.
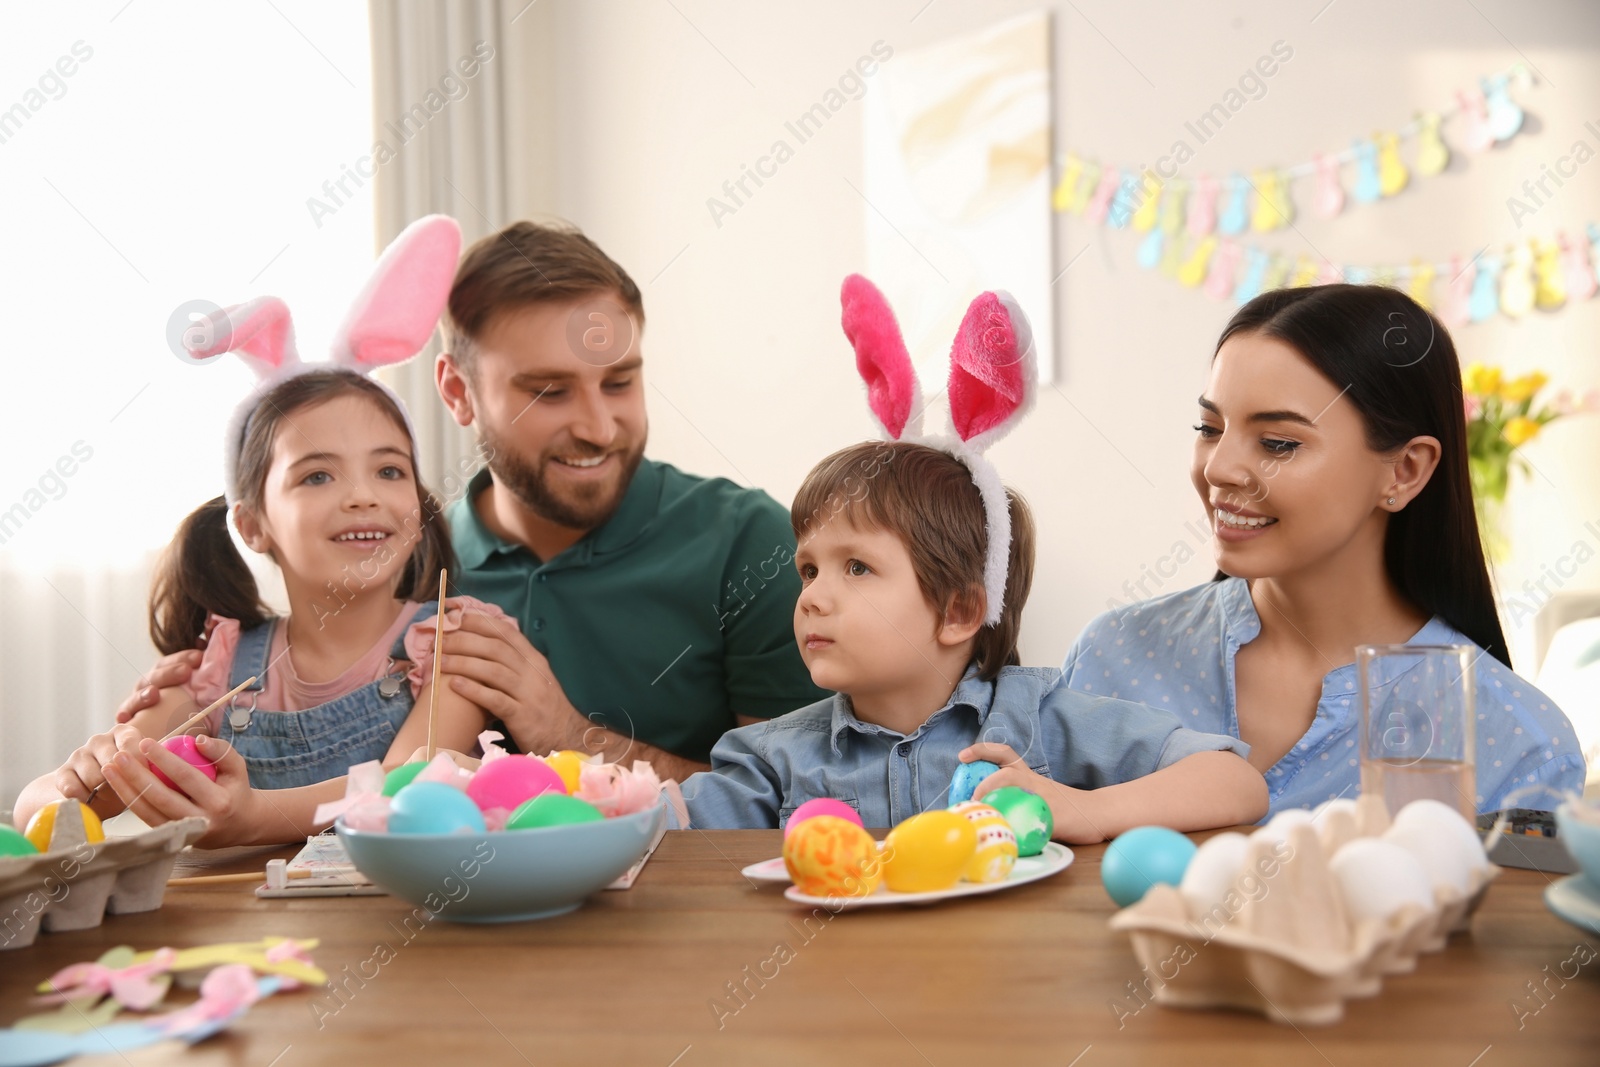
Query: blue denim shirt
{"x": 1177, "y": 652}
{"x": 761, "y": 773}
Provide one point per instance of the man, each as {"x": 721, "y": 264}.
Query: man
{"x": 655, "y": 607}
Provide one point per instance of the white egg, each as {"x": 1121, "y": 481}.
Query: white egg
{"x": 1278, "y": 827}
{"x": 1212, "y": 870}
{"x": 1446, "y": 862}
{"x": 1379, "y": 877}
{"x": 1439, "y": 818}
{"x": 1328, "y": 807}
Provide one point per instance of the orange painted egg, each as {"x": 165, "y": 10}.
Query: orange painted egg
{"x": 830, "y": 857}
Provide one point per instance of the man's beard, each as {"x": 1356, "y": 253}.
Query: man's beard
{"x": 584, "y": 509}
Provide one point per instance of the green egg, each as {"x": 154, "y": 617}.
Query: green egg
{"x": 400, "y": 777}
{"x": 13, "y": 843}
{"x": 1028, "y": 815}
{"x": 552, "y": 809}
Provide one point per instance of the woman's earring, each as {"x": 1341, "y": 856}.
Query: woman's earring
{"x": 1391, "y": 502}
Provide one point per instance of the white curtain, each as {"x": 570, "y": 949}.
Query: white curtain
{"x": 452, "y": 162}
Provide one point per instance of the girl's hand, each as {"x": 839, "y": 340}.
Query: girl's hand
{"x": 462, "y": 760}
{"x": 1074, "y": 811}
{"x": 228, "y": 804}
{"x": 77, "y": 777}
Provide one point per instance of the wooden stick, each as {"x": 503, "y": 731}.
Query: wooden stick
{"x": 196, "y": 717}
{"x": 438, "y": 653}
{"x": 223, "y": 879}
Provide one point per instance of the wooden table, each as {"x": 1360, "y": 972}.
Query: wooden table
{"x": 647, "y": 977}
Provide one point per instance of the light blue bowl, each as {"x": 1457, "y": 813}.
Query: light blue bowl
{"x": 504, "y": 875}
{"x": 1582, "y": 838}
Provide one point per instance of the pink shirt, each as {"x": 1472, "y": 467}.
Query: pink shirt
{"x": 284, "y": 690}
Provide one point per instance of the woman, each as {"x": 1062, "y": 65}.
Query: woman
{"x": 1331, "y": 459}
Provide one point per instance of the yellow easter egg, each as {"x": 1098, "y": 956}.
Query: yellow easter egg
{"x": 928, "y": 852}
{"x": 996, "y": 852}
{"x": 42, "y": 827}
{"x": 567, "y": 764}
{"x": 832, "y": 857}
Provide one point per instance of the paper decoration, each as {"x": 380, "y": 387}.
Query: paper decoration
{"x": 91, "y": 996}
{"x": 1264, "y": 200}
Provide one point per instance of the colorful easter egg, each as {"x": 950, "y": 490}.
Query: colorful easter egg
{"x": 552, "y": 809}
{"x": 507, "y": 782}
{"x": 51, "y": 819}
{"x": 1028, "y": 814}
{"x": 183, "y": 746}
{"x": 928, "y": 852}
{"x": 1140, "y": 858}
{"x": 569, "y": 765}
{"x": 832, "y": 857}
{"x": 401, "y": 777}
{"x": 13, "y": 843}
{"x": 821, "y": 806}
{"x": 967, "y": 778}
{"x": 996, "y": 852}
{"x": 433, "y": 808}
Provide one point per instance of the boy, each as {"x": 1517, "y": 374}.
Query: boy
{"x": 892, "y": 541}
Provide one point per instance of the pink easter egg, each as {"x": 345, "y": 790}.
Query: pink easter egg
{"x": 184, "y": 748}
{"x": 507, "y": 782}
{"x": 821, "y": 806}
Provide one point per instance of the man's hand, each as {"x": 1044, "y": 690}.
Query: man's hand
{"x": 494, "y": 666}
{"x": 169, "y": 671}
{"x": 228, "y": 804}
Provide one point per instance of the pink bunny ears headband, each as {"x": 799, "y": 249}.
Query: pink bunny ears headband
{"x": 991, "y": 387}
{"x": 390, "y": 321}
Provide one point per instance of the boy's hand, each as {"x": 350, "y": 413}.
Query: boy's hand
{"x": 228, "y": 804}
{"x": 1072, "y": 810}
{"x": 77, "y": 777}
{"x": 169, "y": 671}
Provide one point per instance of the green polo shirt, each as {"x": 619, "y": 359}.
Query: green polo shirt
{"x": 667, "y": 621}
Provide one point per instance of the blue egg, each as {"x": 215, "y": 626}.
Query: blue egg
{"x": 433, "y": 808}
{"x": 966, "y": 779}
{"x": 1140, "y": 858}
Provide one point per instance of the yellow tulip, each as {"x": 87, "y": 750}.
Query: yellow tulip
{"x": 1480, "y": 380}
{"x": 1519, "y": 389}
{"x": 1520, "y": 430}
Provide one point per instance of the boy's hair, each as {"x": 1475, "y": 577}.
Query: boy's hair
{"x": 201, "y": 572}
{"x": 926, "y": 498}
{"x": 526, "y": 264}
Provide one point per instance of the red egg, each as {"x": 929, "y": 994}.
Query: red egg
{"x": 510, "y": 780}
{"x": 184, "y": 747}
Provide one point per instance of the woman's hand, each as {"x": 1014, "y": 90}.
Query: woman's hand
{"x": 169, "y": 671}
{"x": 1075, "y": 812}
{"x": 234, "y": 810}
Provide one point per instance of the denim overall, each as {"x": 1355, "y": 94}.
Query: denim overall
{"x": 283, "y": 749}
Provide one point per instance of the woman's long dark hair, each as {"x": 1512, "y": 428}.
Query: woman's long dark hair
{"x": 201, "y": 572}
{"x": 1399, "y": 368}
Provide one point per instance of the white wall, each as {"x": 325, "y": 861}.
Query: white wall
{"x": 652, "y": 106}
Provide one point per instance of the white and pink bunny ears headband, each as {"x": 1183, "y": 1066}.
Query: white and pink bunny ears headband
{"x": 390, "y": 321}
{"x": 991, "y": 387}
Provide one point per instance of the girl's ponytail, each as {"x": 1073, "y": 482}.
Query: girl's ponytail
{"x": 201, "y": 573}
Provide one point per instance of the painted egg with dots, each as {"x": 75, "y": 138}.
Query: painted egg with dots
{"x": 996, "y": 851}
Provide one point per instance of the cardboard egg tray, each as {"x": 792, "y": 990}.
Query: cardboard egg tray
{"x": 74, "y": 885}
{"x": 1292, "y": 952}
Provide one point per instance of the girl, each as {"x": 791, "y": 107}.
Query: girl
{"x": 1331, "y": 459}
{"x": 321, "y": 478}
{"x": 915, "y": 563}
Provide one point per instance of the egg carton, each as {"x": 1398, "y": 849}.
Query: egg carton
{"x": 75, "y": 884}
{"x": 1291, "y": 951}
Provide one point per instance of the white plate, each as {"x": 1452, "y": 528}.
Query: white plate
{"x": 1054, "y": 859}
